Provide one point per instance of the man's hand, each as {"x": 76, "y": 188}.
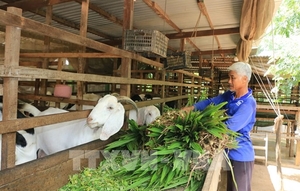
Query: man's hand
{"x": 187, "y": 109}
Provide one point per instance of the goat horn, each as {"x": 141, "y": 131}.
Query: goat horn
{"x": 126, "y": 99}
{"x": 115, "y": 94}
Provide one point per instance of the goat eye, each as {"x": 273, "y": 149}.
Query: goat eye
{"x": 110, "y": 108}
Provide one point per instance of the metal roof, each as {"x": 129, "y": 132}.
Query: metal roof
{"x": 186, "y": 15}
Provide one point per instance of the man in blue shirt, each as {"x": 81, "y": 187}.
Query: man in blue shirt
{"x": 241, "y": 108}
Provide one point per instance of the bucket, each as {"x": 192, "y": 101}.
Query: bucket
{"x": 62, "y": 90}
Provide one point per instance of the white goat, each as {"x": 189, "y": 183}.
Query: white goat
{"x": 27, "y": 152}
{"x": 29, "y": 110}
{"x": 26, "y": 148}
{"x": 57, "y": 137}
{"x": 107, "y": 116}
{"x": 146, "y": 115}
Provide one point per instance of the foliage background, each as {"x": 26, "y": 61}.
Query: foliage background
{"x": 282, "y": 43}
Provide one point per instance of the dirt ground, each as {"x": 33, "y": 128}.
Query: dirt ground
{"x": 261, "y": 180}
{"x": 266, "y": 178}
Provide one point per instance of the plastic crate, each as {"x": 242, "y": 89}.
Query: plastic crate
{"x": 146, "y": 41}
{"x": 179, "y": 60}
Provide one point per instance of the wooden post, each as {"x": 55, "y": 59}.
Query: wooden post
{"x": 163, "y": 90}
{"x": 192, "y": 88}
{"x": 212, "y": 76}
{"x": 114, "y": 86}
{"x": 156, "y": 77}
{"x": 59, "y": 68}
{"x": 126, "y": 62}
{"x": 82, "y": 61}
{"x": 288, "y": 133}
{"x": 292, "y": 145}
{"x": 297, "y": 159}
{"x": 46, "y": 49}
{"x": 134, "y": 86}
{"x": 277, "y": 125}
{"x": 10, "y": 93}
{"x": 297, "y": 121}
{"x": 180, "y": 88}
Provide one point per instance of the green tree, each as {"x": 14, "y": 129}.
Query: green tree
{"x": 281, "y": 42}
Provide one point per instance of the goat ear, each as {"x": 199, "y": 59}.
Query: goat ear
{"x": 41, "y": 153}
{"x": 114, "y": 123}
{"x": 141, "y": 120}
{"x": 141, "y": 116}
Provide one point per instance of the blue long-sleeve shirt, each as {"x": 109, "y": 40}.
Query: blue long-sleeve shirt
{"x": 242, "y": 113}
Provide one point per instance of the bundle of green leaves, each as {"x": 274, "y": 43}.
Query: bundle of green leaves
{"x": 174, "y": 151}
{"x": 180, "y": 147}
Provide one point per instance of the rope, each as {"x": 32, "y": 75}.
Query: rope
{"x": 194, "y": 34}
{"x": 279, "y": 119}
{"x": 269, "y": 96}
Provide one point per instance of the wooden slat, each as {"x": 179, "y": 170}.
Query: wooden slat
{"x": 186, "y": 73}
{"x": 26, "y": 123}
{"x": 204, "y": 11}
{"x": 49, "y": 173}
{"x": 213, "y": 174}
{"x": 260, "y": 157}
{"x": 161, "y": 13}
{"x": 282, "y": 108}
{"x": 297, "y": 159}
{"x": 24, "y": 72}
{"x": 259, "y": 147}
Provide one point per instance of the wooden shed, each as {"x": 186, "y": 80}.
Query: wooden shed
{"x": 82, "y": 43}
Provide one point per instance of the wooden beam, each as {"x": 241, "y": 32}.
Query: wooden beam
{"x": 53, "y": 171}
{"x": 24, "y": 72}
{"x": 297, "y": 159}
{"x": 282, "y": 108}
{"x": 203, "y": 9}
{"x": 161, "y": 13}
{"x": 235, "y": 30}
{"x": 192, "y": 75}
{"x": 26, "y": 123}
{"x": 209, "y": 52}
{"x": 213, "y": 174}
{"x": 104, "y": 13}
{"x": 68, "y": 55}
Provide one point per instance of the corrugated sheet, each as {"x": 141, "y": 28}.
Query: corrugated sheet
{"x": 184, "y": 13}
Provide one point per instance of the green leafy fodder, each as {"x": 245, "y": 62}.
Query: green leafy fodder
{"x": 181, "y": 147}
{"x": 174, "y": 151}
